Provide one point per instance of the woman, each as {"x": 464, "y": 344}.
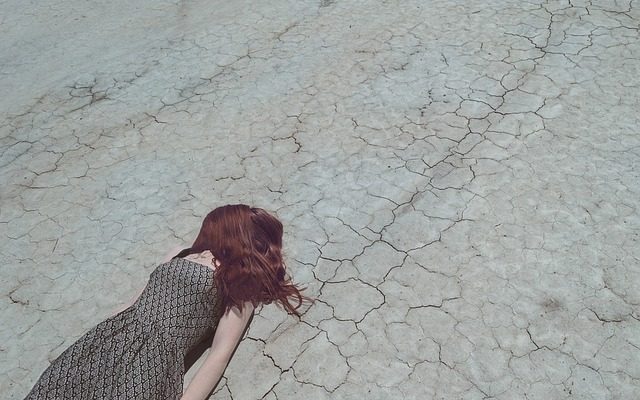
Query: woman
{"x": 209, "y": 290}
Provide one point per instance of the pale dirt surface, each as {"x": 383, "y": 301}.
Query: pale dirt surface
{"x": 459, "y": 183}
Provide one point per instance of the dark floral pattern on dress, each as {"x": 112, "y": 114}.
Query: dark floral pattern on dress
{"x": 140, "y": 352}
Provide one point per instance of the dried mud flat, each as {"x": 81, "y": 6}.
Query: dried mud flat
{"x": 458, "y": 182}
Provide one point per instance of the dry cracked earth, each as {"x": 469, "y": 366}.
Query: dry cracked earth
{"x": 459, "y": 184}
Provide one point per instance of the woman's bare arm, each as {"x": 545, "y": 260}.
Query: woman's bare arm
{"x": 228, "y": 334}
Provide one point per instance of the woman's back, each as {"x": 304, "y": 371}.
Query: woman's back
{"x": 146, "y": 344}
{"x": 180, "y": 300}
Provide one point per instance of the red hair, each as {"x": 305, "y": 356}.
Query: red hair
{"x": 247, "y": 242}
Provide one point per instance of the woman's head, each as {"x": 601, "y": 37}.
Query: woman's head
{"x": 247, "y": 242}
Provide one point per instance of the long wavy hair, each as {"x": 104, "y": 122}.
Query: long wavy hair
{"x": 247, "y": 242}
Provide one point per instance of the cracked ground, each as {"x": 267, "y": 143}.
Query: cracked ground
{"x": 459, "y": 184}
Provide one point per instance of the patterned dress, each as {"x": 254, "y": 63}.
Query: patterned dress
{"x": 144, "y": 351}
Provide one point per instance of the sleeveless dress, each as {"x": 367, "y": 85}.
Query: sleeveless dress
{"x": 144, "y": 351}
